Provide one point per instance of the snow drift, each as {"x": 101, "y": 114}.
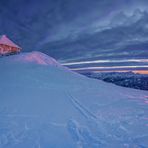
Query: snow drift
{"x": 49, "y": 106}
{"x": 33, "y": 57}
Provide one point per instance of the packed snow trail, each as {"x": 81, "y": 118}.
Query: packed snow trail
{"x": 47, "y": 105}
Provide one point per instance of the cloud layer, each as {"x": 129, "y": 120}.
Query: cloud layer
{"x": 74, "y": 31}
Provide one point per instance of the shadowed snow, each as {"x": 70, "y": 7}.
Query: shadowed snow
{"x": 48, "y": 106}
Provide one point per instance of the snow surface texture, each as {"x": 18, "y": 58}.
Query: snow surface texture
{"x": 47, "y": 106}
{"x": 34, "y": 57}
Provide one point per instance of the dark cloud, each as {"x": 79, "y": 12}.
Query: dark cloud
{"x": 78, "y": 29}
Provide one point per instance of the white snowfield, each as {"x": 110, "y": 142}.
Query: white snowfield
{"x": 43, "y": 105}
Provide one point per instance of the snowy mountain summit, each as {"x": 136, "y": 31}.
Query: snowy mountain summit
{"x": 49, "y": 106}
{"x": 34, "y": 57}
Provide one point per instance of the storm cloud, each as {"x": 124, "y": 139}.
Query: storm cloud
{"x": 74, "y": 30}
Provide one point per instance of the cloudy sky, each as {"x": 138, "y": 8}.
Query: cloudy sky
{"x": 84, "y": 35}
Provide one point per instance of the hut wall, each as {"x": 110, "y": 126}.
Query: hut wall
{"x": 5, "y": 49}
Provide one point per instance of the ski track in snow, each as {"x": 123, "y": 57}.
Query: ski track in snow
{"x": 83, "y": 140}
{"x": 115, "y": 119}
{"x": 82, "y": 135}
{"x": 83, "y": 110}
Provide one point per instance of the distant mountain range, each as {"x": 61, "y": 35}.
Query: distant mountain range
{"x": 126, "y": 79}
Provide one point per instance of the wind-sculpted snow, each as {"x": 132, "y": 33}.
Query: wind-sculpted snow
{"x": 49, "y": 106}
{"x": 34, "y": 57}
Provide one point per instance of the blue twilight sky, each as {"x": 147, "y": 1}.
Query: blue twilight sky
{"x": 84, "y": 34}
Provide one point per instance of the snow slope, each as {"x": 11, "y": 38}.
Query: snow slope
{"x": 33, "y": 57}
{"x": 47, "y": 106}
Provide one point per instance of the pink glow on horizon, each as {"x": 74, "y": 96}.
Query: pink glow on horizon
{"x": 141, "y": 71}
{"x": 134, "y": 71}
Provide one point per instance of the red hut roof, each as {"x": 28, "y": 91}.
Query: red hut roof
{"x": 5, "y": 41}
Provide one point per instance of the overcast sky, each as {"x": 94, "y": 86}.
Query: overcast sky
{"x": 78, "y": 30}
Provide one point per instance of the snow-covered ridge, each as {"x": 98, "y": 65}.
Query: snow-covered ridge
{"x": 34, "y": 57}
{"x": 48, "y": 106}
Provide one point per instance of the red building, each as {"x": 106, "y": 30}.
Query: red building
{"x": 7, "y": 46}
